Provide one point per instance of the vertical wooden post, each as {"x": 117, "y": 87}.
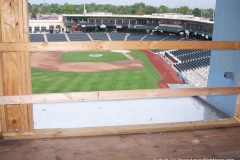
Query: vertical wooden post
{"x": 15, "y": 74}
{"x": 237, "y": 108}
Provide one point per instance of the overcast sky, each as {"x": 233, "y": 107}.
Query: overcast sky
{"x": 169, "y": 3}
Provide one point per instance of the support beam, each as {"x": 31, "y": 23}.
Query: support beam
{"x": 113, "y": 95}
{"x": 111, "y": 45}
{"x": 113, "y": 130}
{"x": 237, "y": 108}
{"x": 15, "y": 77}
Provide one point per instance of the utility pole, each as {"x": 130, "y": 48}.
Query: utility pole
{"x": 84, "y": 9}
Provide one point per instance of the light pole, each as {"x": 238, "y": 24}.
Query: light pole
{"x": 84, "y": 9}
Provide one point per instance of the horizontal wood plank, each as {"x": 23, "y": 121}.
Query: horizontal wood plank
{"x": 111, "y": 45}
{"x": 17, "y": 134}
{"x": 113, "y": 130}
{"x": 237, "y": 107}
{"x": 119, "y": 94}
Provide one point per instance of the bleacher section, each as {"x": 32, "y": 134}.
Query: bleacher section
{"x": 173, "y": 38}
{"x": 189, "y": 55}
{"x": 37, "y": 38}
{"x": 56, "y": 37}
{"x": 198, "y": 77}
{"x": 154, "y": 37}
{"x": 135, "y": 37}
{"x": 99, "y": 36}
{"x": 194, "y": 64}
{"x": 191, "y": 59}
{"x": 78, "y": 37}
{"x": 117, "y": 36}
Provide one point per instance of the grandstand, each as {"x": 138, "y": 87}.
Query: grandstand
{"x": 37, "y": 38}
{"x": 78, "y": 37}
{"x": 117, "y": 36}
{"x": 135, "y": 37}
{"x": 193, "y": 64}
{"x": 154, "y": 37}
{"x": 56, "y": 37}
{"x": 197, "y": 77}
{"x": 173, "y": 38}
{"x": 99, "y": 36}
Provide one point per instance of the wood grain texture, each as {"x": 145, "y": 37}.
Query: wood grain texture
{"x": 212, "y": 143}
{"x": 2, "y": 110}
{"x": 119, "y": 94}
{"x": 15, "y": 66}
{"x": 113, "y": 130}
{"x": 2, "y": 119}
{"x": 237, "y": 108}
{"x": 2, "y": 114}
{"x": 111, "y": 45}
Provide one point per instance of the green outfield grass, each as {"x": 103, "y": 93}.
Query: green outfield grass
{"x": 45, "y": 81}
{"x": 107, "y": 56}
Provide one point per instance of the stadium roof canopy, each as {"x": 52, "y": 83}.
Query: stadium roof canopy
{"x": 149, "y": 17}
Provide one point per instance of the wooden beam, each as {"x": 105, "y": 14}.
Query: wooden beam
{"x": 112, "y": 95}
{"x": 2, "y": 110}
{"x": 15, "y": 66}
{"x": 111, "y": 45}
{"x": 237, "y": 108}
{"x": 113, "y": 130}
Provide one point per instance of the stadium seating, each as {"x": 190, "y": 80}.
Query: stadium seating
{"x": 37, "y": 38}
{"x": 117, "y": 36}
{"x": 56, "y": 37}
{"x": 197, "y": 77}
{"x": 194, "y": 64}
{"x": 188, "y": 55}
{"x": 154, "y": 38}
{"x": 78, "y": 37}
{"x": 135, "y": 37}
{"x": 99, "y": 36}
{"x": 173, "y": 38}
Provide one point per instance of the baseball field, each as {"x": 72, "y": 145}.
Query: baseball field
{"x": 55, "y": 72}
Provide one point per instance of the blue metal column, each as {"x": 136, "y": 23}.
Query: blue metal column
{"x": 226, "y": 28}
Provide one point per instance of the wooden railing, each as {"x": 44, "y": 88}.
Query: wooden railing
{"x": 112, "y": 45}
{"x": 126, "y": 94}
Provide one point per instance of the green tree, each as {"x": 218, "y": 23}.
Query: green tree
{"x": 208, "y": 13}
{"x": 138, "y": 8}
{"x": 150, "y": 10}
{"x": 35, "y": 10}
{"x": 139, "y": 13}
{"x": 54, "y": 8}
{"x": 67, "y": 9}
{"x": 196, "y": 12}
{"x": 163, "y": 9}
{"x": 45, "y": 8}
{"x": 183, "y": 10}
{"x": 29, "y": 8}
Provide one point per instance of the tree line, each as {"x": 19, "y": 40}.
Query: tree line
{"x": 135, "y": 9}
